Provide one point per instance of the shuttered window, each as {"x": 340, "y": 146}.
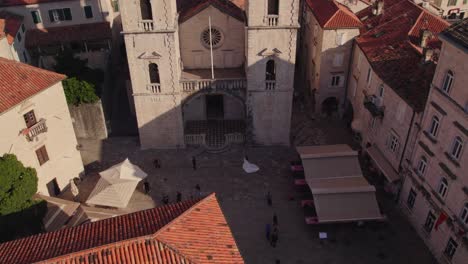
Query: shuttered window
{"x": 42, "y": 155}
{"x": 30, "y": 119}
{"x": 36, "y": 17}
{"x": 56, "y": 15}
{"x": 88, "y": 11}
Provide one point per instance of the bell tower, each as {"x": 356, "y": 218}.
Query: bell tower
{"x": 271, "y": 54}
{"x": 152, "y": 44}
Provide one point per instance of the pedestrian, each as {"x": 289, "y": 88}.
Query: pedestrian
{"x": 179, "y": 197}
{"x": 268, "y": 231}
{"x": 275, "y": 220}
{"x": 246, "y": 158}
{"x": 165, "y": 199}
{"x": 274, "y": 237}
{"x": 156, "y": 164}
{"x": 268, "y": 197}
{"x": 198, "y": 189}
{"x": 147, "y": 187}
{"x": 277, "y": 261}
{"x": 194, "y": 163}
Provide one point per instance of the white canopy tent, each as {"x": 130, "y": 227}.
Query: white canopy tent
{"x": 116, "y": 185}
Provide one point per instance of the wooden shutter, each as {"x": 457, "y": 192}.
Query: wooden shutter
{"x": 30, "y": 119}
{"x": 88, "y": 11}
{"x": 51, "y": 16}
{"x": 42, "y": 155}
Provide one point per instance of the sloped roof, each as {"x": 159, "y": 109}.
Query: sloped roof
{"x": 19, "y": 81}
{"x": 189, "y": 8}
{"x": 331, "y": 14}
{"x": 4, "y": 3}
{"x": 57, "y": 35}
{"x": 390, "y": 41}
{"x": 183, "y": 233}
{"x": 9, "y": 25}
{"x": 458, "y": 33}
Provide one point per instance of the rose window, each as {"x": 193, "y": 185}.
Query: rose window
{"x": 216, "y": 37}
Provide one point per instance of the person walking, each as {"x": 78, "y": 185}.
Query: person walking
{"x": 156, "y": 163}
{"x": 194, "y": 163}
{"x": 147, "y": 187}
{"x": 198, "y": 189}
{"x": 268, "y": 231}
{"x": 274, "y": 237}
{"x": 165, "y": 199}
{"x": 179, "y": 197}
{"x": 275, "y": 220}
{"x": 269, "y": 200}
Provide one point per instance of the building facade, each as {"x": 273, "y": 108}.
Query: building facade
{"x": 180, "y": 100}
{"x": 12, "y": 37}
{"x": 37, "y": 125}
{"x": 435, "y": 191}
{"x": 450, "y": 9}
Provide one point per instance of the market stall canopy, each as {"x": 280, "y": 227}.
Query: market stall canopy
{"x": 116, "y": 185}
{"x": 340, "y": 192}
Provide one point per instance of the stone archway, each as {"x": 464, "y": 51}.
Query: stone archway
{"x": 330, "y": 106}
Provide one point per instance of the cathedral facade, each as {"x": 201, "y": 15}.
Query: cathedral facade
{"x": 211, "y": 72}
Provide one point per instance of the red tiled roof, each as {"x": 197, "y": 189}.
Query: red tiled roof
{"x": 189, "y": 8}
{"x": 57, "y": 35}
{"x": 183, "y": 233}
{"x": 390, "y": 42}
{"x": 20, "y": 81}
{"x": 9, "y": 25}
{"x": 331, "y": 14}
{"x": 4, "y": 3}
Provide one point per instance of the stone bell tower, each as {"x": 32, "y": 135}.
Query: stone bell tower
{"x": 271, "y": 53}
{"x": 151, "y": 39}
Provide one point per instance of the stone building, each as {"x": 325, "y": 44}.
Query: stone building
{"x": 327, "y": 33}
{"x": 393, "y": 62}
{"x": 179, "y": 100}
{"x": 50, "y": 26}
{"x": 36, "y": 124}
{"x": 449, "y": 9}
{"x": 12, "y": 37}
{"x": 435, "y": 190}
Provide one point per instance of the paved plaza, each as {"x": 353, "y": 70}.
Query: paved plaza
{"x": 242, "y": 197}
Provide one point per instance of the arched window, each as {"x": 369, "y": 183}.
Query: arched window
{"x": 434, "y": 127}
{"x": 273, "y": 7}
{"x": 422, "y": 165}
{"x": 270, "y": 70}
{"x": 443, "y": 187}
{"x": 464, "y": 214}
{"x": 154, "y": 73}
{"x": 146, "y": 11}
{"x": 448, "y": 81}
{"x": 457, "y": 147}
{"x": 381, "y": 90}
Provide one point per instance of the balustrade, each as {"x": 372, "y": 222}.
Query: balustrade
{"x": 270, "y": 85}
{"x": 35, "y": 130}
{"x": 147, "y": 25}
{"x": 154, "y": 88}
{"x": 220, "y": 84}
{"x": 272, "y": 20}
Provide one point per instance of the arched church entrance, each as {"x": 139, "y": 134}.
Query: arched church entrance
{"x": 214, "y": 119}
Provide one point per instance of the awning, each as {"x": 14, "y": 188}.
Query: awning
{"x": 383, "y": 164}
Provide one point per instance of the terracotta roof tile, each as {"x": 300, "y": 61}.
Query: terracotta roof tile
{"x": 9, "y": 25}
{"x": 331, "y": 14}
{"x": 189, "y": 8}
{"x": 20, "y": 81}
{"x": 390, "y": 42}
{"x": 4, "y": 3}
{"x": 182, "y": 233}
{"x": 58, "y": 35}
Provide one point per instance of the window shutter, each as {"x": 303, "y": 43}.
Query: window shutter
{"x": 88, "y": 11}
{"x": 51, "y": 15}
{"x": 67, "y": 13}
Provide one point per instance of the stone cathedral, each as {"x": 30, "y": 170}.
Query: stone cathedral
{"x": 211, "y": 72}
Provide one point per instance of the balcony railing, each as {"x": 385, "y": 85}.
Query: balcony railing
{"x": 195, "y": 139}
{"x": 35, "y": 130}
{"x": 271, "y": 20}
{"x": 154, "y": 88}
{"x": 270, "y": 85}
{"x": 147, "y": 25}
{"x": 219, "y": 84}
{"x": 374, "y": 105}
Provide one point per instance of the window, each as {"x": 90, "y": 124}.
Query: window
{"x": 434, "y": 127}
{"x": 36, "y": 17}
{"x": 464, "y": 214}
{"x": 393, "y": 143}
{"x": 443, "y": 187}
{"x": 270, "y": 71}
{"x": 146, "y": 10}
{"x": 452, "y": 2}
{"x": 430, "y": 220}
{"x": 88, "y": 11}
{"x": 42, "y": 155}
{"x": 450, "y": 249}
{"x": 422, "y": 165}
{"x": 457, "y": 147}
{"x": 411, "y": 198}
{"x": 57, "y": 15}
{"x": 338, "y": 60}
{"x": 369, "y": 75}
{"x": 30, "y": 119}
{"x": 381, "y": 90}
{"x": 23, "y": 28}
{"x": 154, "y": 73}
{"x": 336, "y": 80}
{"x": 273, "y": 7}
{"x": 448, "y": 80}
{"x": 18, "y": 36}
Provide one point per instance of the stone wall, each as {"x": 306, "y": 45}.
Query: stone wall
{"x": 89, "y": 121}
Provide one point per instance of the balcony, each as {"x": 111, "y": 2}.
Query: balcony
{"x": 33, "y": 131}
{"x": 146, "y": 25}
{"x": 374, "y": 105}
{"x": 271, "y": 20}
{"x": 270, "y": 85}
{"x": 154, "y": 88}
{"x": 225, "y": 79}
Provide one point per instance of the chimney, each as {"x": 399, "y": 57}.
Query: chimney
{"x": 425, "y": 36}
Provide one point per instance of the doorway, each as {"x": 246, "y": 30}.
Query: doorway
{"x": 214, "y": 107}
{"x": 53, "y": 187}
